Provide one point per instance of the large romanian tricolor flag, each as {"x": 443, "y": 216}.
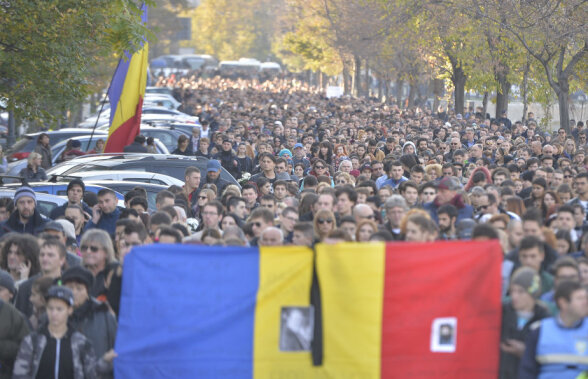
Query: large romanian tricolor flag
{"x": 126, "y": 94}
{"x": 385, "y": 311}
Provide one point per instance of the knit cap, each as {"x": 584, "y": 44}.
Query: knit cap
{"x": 529, "y": 279}
{"x": 24, "y": 191}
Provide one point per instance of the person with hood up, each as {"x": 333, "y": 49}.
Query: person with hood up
{"x": 447, "y": 194}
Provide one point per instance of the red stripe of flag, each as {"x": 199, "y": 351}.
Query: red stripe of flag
{"x": 457, "y": 281}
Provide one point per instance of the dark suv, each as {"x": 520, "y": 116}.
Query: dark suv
{"x": 172, "y": 165}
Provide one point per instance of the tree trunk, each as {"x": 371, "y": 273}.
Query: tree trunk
{"x": 563, "y": 101}
{"x": 367, "y": 80}
{"x": 438, "y": 92}
{"x": 346, "y": 81}
{"x": 380, "y": 88}
{"x": 399, "y": 87}
{"x": 524, "y": 90}
{"x": 93, "y": 102}
{"x": 484, "y": 105}
{"x": 459, "y": 80}
{"x": 503, "y": 88}
{"x": 387, "y": 89}
{"x": 411, "y": 93}
{"x": 357, "y": 77}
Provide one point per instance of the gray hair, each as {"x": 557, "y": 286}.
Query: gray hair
{"x": 102, "y": 238}
{"x": 396, "y": 201}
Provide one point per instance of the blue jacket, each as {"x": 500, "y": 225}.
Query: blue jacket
{"x": 462, "y": 213}
{"x": 107, "y": 222}
{"x": 555, "y": 351}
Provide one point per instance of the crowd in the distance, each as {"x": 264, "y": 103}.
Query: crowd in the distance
{"x": 312, "y": 169}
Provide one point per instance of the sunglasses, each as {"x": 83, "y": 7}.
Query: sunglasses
{"x": 319, "y": 167}
{"x": 322, "y": 221}
{"x": 482, "y": 207}
{"x": 256, "y": 224}
{"x": 94, "y": 249}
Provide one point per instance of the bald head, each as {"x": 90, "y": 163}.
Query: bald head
{"x": 271, "y": 236}
{"x": 362, "y": 211}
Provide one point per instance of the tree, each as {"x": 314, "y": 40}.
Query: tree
{"x": 554, "y": 32}
{"x": 48, "y": 47}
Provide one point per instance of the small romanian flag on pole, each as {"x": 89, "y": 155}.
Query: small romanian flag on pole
{"x": 126, "y": 94}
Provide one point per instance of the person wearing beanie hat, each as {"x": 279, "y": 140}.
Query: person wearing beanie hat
{"x": 26, "y": 218}
{"x": 7, "y": 287}
{"x": 56, "y": 347}
{"x": 285, "y": 152}
{"x": 91, "y": 317}
{"x": 75, "y": 196}
{"x": 228, "y": 158}
{"x": 518, "y": 314}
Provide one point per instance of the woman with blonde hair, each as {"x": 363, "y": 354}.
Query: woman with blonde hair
{"x": 324, "y": 222}
{"x": 433, "y": 171}
{"x": 365, "y": 229}
{"x": 33, "y": 172}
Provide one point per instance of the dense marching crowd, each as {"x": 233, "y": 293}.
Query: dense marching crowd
{"x": 312, "y": 169}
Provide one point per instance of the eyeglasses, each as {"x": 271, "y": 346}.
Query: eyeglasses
{"x": 256, "y": 224}
{"x": 202, "y": 197}
{"x": 482, "y": 207}
{"x": 319, "y": 167}
{"x": 94, "y": 249}
{"x": 322, "y": 221}
{"x": 568, "y": 176}
{"x": 341, "y": 182}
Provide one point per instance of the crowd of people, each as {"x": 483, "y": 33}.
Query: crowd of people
{"x": 311, "y": 169}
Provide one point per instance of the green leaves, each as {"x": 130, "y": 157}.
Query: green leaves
{"x": 48, "y": 48}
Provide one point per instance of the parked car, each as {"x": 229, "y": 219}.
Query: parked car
{"x": 124, "y": 186}
{"x": 14, "y": 168}
{"x": 172, "y": 165}
{"x": 126, "y": 175}
{"x": 45, "y": 202}
{"x": 158, "y": 90}
{"x": 25, "y": 145}
{"x": 60, "y": 188}
{"x": 161, "y": 100}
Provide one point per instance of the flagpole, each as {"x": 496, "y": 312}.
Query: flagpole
{"x": 102, "y": 107}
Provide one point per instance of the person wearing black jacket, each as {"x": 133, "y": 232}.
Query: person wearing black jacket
{"x": 25, "y": 218}
{"x": 518, "y": 314}
{"x": 90, "y": 317}
{"x": 228, "y": 159}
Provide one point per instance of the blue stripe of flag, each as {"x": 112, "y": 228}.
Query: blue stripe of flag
{"x": 166, "y": 284}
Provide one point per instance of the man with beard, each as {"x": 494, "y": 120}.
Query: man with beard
{"x": 26, "y": 218}
{"x": 447, "y": 216}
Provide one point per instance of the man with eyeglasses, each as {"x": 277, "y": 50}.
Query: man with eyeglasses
{"x": 288, "y": 218}
{"x": 260, "y": 219}
{"x": 363, "y": 212}
{"x": 211, "y": 217}
{"x": 396, "y": 208}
